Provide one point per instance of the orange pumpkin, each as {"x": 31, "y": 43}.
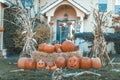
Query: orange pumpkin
{"x": 59, "y": 50}
{"x": 96, "y": 63}
{"x": 85, "y": 63}
{"x": 69, "y": 22}
{"x": 73, "y": 63}
{"x": 30, "y": 63}
{"x": 68, "y": 46}
{"x": 1, "y": 29}
{"x": 49, "y": 48}
{"x": 26, "y": 63}
{"x": 51, "y": 22}
{"x": 61, "y": 24}
{"x": 50, "y": 64}
{"x": 41, "y": 47}
{"x": 21, "y": 62}
{"x": 57, "y": 46}
{"x": 53, "y": 68}
{"x": 60, "y": 62}
{"x": 41, "y": 65}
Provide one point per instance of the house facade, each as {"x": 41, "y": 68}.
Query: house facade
{"x": 78, "y": 12}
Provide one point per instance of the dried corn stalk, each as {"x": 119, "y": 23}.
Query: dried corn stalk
{"x": 99, "y": 48}
{"x": 24, "y": 20}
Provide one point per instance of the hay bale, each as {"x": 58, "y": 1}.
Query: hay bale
{"x": 37, "y": 55}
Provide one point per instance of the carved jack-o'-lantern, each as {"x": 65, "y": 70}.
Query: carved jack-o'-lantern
{"x": 96, "y": 63}
{"x": 73, "y": 63}
{"x": 85, "y": 62}
{"x": 41, "y": 65}
{"x": 60, "y": 62}
{"x": 68, "y": 46}
{"x": 49, "y": 48}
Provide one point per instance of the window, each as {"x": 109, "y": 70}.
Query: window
{"x": 27, "y": 3}
{"x": 117, "y": 6}
{"x": 102, "y": 5}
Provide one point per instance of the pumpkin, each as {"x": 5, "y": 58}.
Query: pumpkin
{"x": 1, "y": 29}
{"x": 41, "y": 65}
{"x": 61, "y": 24}
{"x": 96, "y": 63}
{"x": 53, "y": 68}
{"x": 30, "y": 63}
{"x": 26, "y": 63}
{"x": 60, "y": 62}
{"x": 51, "y": 22}
{"x": 68, "y": 46}
{"x": 73, "y": 62}
{"x": 69, "y": 22}
{"x": 41, "y": 47}
{"x": 50, "y": 64}
{"x": 57, "y": 46}
{"x": 85, "y": 63}
{"x": 59, "y": 50}
{"x": 21, "y": 62}
{"x": 49, "y": 48}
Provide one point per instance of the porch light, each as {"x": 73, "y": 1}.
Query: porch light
{"x": 66, "y": 16}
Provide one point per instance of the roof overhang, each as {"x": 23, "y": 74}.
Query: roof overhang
{"x": 47, "y": 8}
{"x": 4, "y": 3}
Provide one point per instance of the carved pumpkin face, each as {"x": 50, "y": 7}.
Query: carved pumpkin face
{"x": 85, "y": 63}
{"x": 41, "y": 65}
{"x": 73, "y": 63}
{"x": 60, "y": 62}
{"x": 96, "y": 63}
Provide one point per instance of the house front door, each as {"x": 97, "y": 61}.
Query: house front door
{"x": 63, "y": 32}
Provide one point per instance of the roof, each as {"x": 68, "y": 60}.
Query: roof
{"x": 5, "y": 3}
{"x": 79, "y": 5}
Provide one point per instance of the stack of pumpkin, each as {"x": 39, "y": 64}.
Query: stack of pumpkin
{"x": 58, "y": 56}
{"x": 72, "y": 63}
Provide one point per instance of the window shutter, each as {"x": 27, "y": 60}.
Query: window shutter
{"x": 117, "y": 9}
{"x": 102, "y": 5}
